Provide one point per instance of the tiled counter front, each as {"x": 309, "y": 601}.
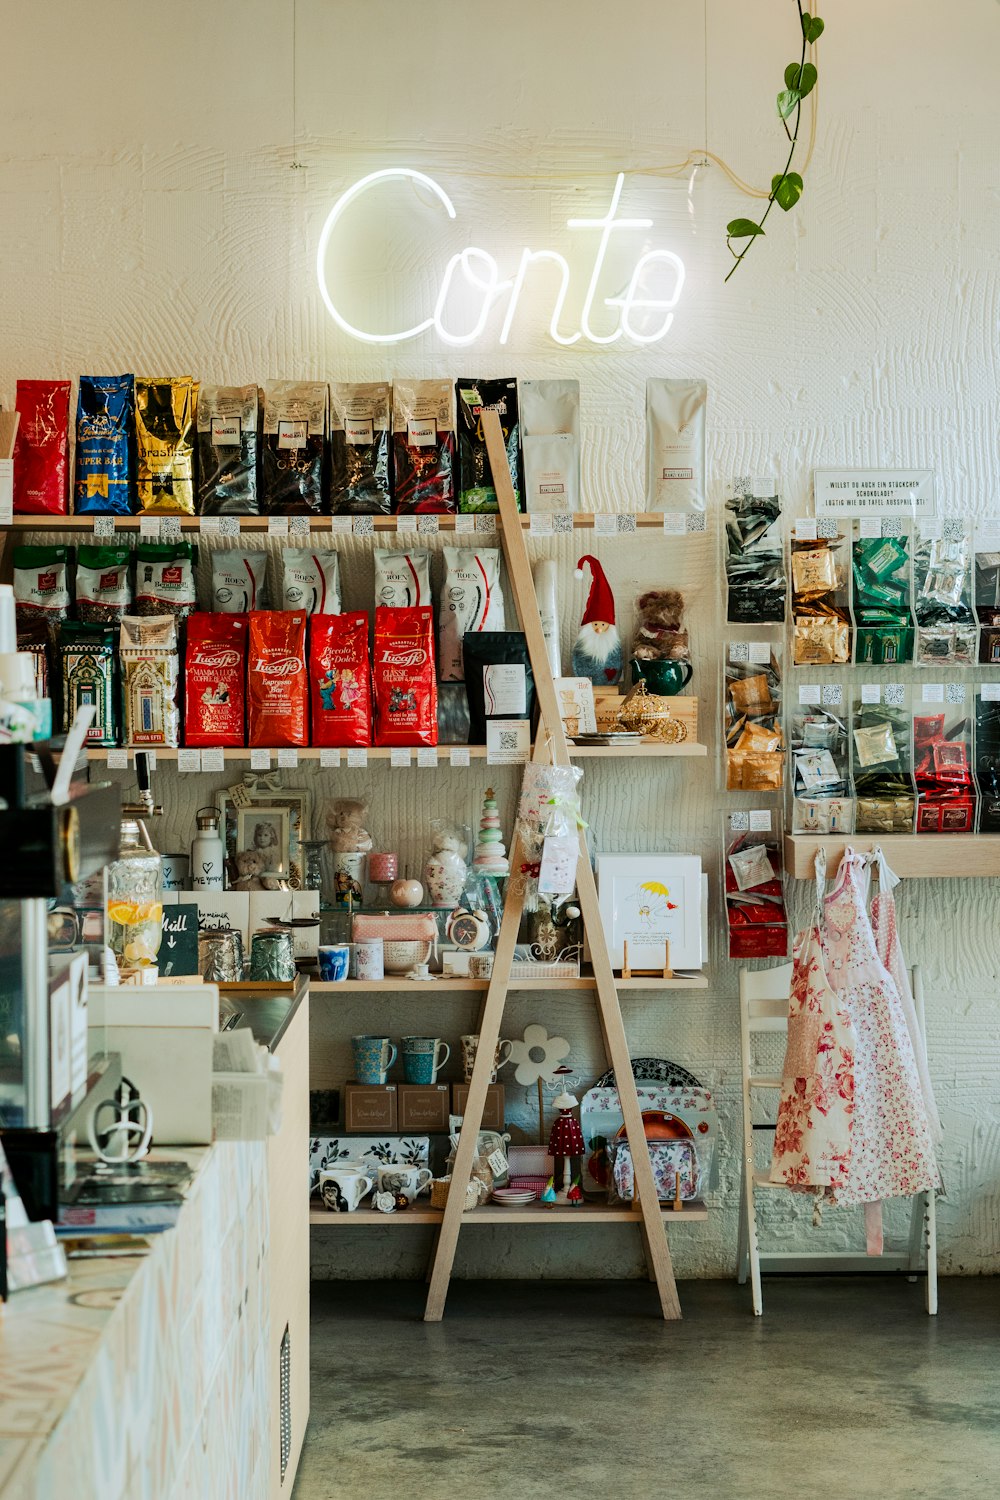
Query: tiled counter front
{"x": 146, "y": 1378}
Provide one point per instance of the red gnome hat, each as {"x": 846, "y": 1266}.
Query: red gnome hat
{"x": 600, "y": 601}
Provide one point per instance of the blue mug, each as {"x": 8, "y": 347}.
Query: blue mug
{"x": 373, "y": 1057}
{"x": 334, "y": 961}
{"x": 422, "y": 1058}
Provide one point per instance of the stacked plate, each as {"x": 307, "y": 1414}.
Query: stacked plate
{"x": 513, "y": 1197}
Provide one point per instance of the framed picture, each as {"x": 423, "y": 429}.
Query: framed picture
{"x": 265, "y": 830}
{"x": 298, "y": 807}
{"x": 648, "y": 900}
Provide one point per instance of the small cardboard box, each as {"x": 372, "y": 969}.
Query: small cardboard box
{"x": 283, "y": 905}
{"x": 423, "y": 1106}
{"x": 493, "y": 1110}
{"x": 369, "y": 1107}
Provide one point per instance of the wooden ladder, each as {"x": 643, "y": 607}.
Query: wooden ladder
{"x": 550, "y": 744}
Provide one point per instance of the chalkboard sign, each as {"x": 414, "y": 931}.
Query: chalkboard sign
{"x": 178, "y": 956}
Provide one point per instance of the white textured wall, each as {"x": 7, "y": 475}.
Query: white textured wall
{"x": 164, "y": 173}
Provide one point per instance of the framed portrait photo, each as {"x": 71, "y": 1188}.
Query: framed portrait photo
{"x": 237, "y": 821}
{"x": 265, "y": 830}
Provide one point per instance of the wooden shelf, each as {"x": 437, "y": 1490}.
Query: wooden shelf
{"x": 694, "y": 1212}
{"x": 646, "y": 751}
{"x": 582, "y": 521}
{"x": 399, "y": 984}
{"x": 931, "y": 856}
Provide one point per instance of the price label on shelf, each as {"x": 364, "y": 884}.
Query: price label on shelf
{"x": 329, "y": 759}
{"x": 189, "y": 760}
{"x": 341, "y": 525}
{"x": 428, "y": 525}
{"x": 149, "y": 528}
{"x": 805, "y": 529}
{"x": 277, "y": 525}
{"x": 955, "y": 692}
{"x": 674, "y": 523}
{"x": 459, "y": 755}
{"x": 210, "y": 525}
{"x": 288, "y": 758}
{"x": 508, "y": 742}
{"x": 104, "y": 528}
{"x": 465, "y": 525}
{"x": 759, "y": 653}
{"x": 406, "y": 525}
{"x": 299, "y": 528}
{"x": 990, "y": 692}
{"x": 871, "y": 692}
{"x": 930, "y": 531}
{"x": 427, "y": 757}
{"x": 150, "y": 759}
{"x": 540, "y": 524}
{"x": 213, "y": 759}
{"x": 932, "y": 692}
{"x": 870, "y": 526}
{"x": 809, "y": 692}
{"x": 399, "y": 756}
{"x": 760, "y": 820}
{"x": 605, "y": 524}
{"x": 117, "y": 760}
{"x": 357, "y": 759}
{"x": 170, "y": 528}
{"x": 260, "y": 760}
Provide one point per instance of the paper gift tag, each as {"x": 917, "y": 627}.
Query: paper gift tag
{"x": 508, "y": 742}
{"x": 557, "y": 875}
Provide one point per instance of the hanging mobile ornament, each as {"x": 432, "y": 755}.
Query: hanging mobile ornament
{"x": 597, "y": 650}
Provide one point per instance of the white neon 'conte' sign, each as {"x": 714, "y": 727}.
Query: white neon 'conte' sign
{"x": 482, "y": 273}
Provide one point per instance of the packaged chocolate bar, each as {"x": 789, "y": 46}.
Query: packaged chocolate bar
{"x": 882, "y": 759}
{"x": 295, "y": 427}
{"x": 42, "y": 582}
{"x": 880, "y": 563}
{"x": 821, "y": 634}
{"x": 942, "y": 761}
{"x": 755, "y": 746}
{"x": 755, "y": 560}
{"x": 423, "y": 447}
{"x": 41, "y": 448}
{"x": 675, "y": 445}
{"x": 310, "y": 580}
{"x": 550, "y": 444}
{"x": 88, "y": 673}
{"x": 164, "y": 578}
{"x": 987, "y": 743}
{"x": 360, "y": 423}
{"x": 942, "y": 593}
{"x": 149, "y": 666}
{"x": 164, "y": 436}
{"x": 277, "y": 685}
{"x": 471, "y": 601}
{"x": 105, "y": 417}
{"x": 404, "y": 679}
{"x": 756, "y": 916}
{"x": 340, "y": 680}
{"x": 820, "y": 769}
{"x": 227, "y": 450}
{"x": 476, "y": 490}
{"x": 214, "y": 679}
{"x": 103, "y": 584}
{"x": 238, "y": 580}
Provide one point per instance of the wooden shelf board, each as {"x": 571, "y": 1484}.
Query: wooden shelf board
{"x": 582, "y": 521}
{"x": 491, "y": 1213}
{"x": 383, "y": 752}
{"x": 933, "y": 856}
{"x": 399, "y": 984}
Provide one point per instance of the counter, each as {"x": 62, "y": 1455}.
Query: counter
{"x": 170, "y": 1374}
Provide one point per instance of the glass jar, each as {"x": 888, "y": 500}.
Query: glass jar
{"x": 135, "y": 901}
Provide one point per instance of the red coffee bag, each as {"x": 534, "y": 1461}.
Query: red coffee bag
{"x": 215, "y": 679}
{"x": 340, "y": 680}
{"x": 277, "y": 689}
{"x": 405, "y": 678}
{"x": 41, "y": 449}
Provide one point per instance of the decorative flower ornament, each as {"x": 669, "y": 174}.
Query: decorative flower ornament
{"x": 530, "y": 1069}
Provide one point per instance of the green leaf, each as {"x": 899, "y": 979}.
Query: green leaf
{"x": 786, "y": 190}
{"x": 812, "y": 27}
{"x": 802, "y": 85}
{"x": 787, "y": 101}
{"x": 742, "y": 229}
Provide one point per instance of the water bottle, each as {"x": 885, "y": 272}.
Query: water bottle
{"x": 208, "y": 855}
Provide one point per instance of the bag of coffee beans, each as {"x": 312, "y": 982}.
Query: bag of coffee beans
{"x": 148, "y": 654}
{"x": 238, "y": 581}
{"x": 41, "y": 582}
{"x": 214, "y": 680}
{"x": 88, "y": 673}
{"x": 360, "y": 419}
{"x": 295, "y": 422}
{"x": 164, "y": 578}
{"x": 310, "y": 580}
{"x": 499, "y": 681}
{"x": 227, "y": 450}
{"x": 471, "y": 601}
{"x": 41, "y": 448}
{"x": 675, "y": 445}
{"x": 405, "y": 682}
{"x": 402, "y": 579}
{"x": 105, "y": 414}
{"x": 164, "y": 436}
{"x": 340, "y": 680}
{"x": 103, "y": 584}
{"x": 423, "y": 446}
{"x": 476, "y": 490}
{"x": 277, "y": 686}
{"x": 550, "y": 441}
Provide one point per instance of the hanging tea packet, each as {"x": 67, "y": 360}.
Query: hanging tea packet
{"x": 310, "y": 580}
{"x": 404, "y": 680}
{"x": 402, "y": 579}
{"x": 423, "y": 446}
{"x": 471, "y": 601}
{"x": 41, "y": 448}
{"x": 88, "y": 674}
{"x": 164, "y": 578}
{"x": 238, "y": 581}
{"x": 148, "y": 653}
{"x": 41, "y": 582}
{"x": 360, "y": 420}
{"x": 103, "y": 584}
{"x": 214, "y": 680}
{"x": 675, "y": 445}
{"x": 105, "y": 410}
{"x": 164, "y": 435}
{"x": 295, "y": 423}
{"x": 550, "y": 444}
{"x": 476, "y": 490}
{"x": 340, "y": 680}
{"x": 227, "y": 450}
{"x": 499, "y": 681}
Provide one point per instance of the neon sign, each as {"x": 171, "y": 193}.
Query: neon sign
{"x": 481, "y": 272}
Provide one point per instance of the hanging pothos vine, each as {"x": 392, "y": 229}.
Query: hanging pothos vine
{"x": 786, "y": 186}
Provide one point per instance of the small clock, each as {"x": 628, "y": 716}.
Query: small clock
{"x": 468, "y": 930}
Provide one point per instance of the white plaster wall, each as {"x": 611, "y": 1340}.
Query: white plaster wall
{"x": 164, "y": 173}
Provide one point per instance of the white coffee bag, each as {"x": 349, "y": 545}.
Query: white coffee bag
{"x": 675, "y": 444}
{"x": 402, "y": 579}
{"x": 471, "y": 600}
{"x": 550, "y": 444}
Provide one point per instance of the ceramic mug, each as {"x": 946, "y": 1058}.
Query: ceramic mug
{"x": 402, "y": 1179}
{"x": 422, "y": 1059}
{"x": 470, "y": 1046}
{"x": 334, "y": 962}
{"x": 176, "y": 871}
{"x": 369, "y": 958}
{"x": 342, "y": 1188}
{"x": 665, "y": 678}
{"x": 373, "y": 1057}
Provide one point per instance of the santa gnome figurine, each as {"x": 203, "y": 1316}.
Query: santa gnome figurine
{"x": 597, "y": 650}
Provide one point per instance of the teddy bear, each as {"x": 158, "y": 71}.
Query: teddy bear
{"x": 250, "y": 865}
{"x": 445, "y": 870}
{"x": 345, "y": 825}
{"x": 659, "y": 633}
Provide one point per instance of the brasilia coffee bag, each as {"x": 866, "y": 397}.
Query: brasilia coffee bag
{"x": 404, "y": 679}
{"x": 423, "y": 446}
{"x": 103, "y": 584}
{"x": 310, "y": 580}
{"x": 402, "y": 579}
{"x": 88, "y": 672}
{"x": 238, "y": 581}
{"x": 340, "y": 680}
{"x": 277, "y": 686}
{"x": 164, "y": 437}
{"x": 471, "y": 601}
{"x": 105, "y": 414}
{"x": 41, "y": 582}
{"x": 214, "y": 679}
{"x": 164, "y": 578}
{"x": 499, "y": 681}
{"x": 41, "y": 448}
{"x": 675, "y": 445}
{"x": 550, "y": 443}
{"x": 227, "y": 450}
{"x": 360, "y": 421}
{"x": 476, "y": 490}
{"x": 295, "y": 422}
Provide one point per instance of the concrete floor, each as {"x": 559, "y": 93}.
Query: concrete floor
{"x": 845, "y": 1388}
